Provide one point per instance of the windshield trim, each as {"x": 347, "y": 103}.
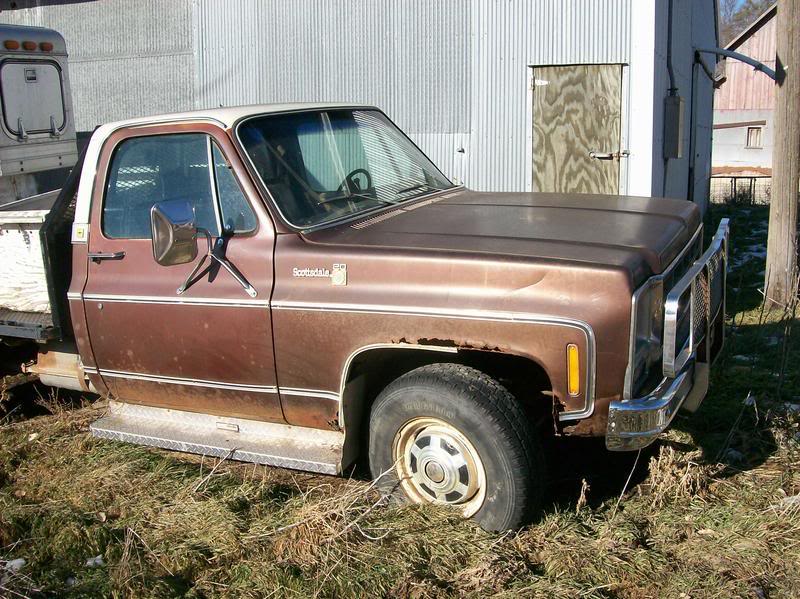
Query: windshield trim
{"x": 346, "y": 218}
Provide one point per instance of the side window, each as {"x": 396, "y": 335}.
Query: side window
{"x": 237, "y": 215}
{"x": 147, "y": 170}
{"x": 753, "y": 137}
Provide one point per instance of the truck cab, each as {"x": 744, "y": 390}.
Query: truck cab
{"x": 298, "y": 285}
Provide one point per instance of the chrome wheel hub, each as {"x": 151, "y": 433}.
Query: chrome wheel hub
{"x": 436, "y": 463}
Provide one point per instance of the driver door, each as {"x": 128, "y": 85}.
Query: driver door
{"x": 208, "y": 349}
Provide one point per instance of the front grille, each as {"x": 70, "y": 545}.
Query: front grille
{"x": 699, "y": 314}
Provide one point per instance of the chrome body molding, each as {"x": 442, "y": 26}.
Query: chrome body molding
{"x": 158, "y": 299}
{"x": 348, "y": 363}
{"x": 584, "y": 327}
{"x": 466, "y": 314}
{"x": 170, "y": 380}
{"x": 331, "y": 395}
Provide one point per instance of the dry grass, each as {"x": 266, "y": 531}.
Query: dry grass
{"x": 709, "y": 512}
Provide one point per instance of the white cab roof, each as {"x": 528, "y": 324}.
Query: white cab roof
{"x": 229, "y": 115}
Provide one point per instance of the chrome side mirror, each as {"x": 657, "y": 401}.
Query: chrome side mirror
{"x": 174, "y": 232}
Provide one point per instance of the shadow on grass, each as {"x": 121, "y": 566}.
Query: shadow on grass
{"x": 575, "y": 460}
{"x": 757, "y": 372}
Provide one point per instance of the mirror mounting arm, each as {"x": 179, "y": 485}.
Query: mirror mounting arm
{"x": 215, "y": 256}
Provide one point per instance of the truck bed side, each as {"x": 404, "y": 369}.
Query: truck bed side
{"x": 37, "y": 263}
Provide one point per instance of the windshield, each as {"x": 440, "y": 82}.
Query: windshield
{"x": 327, "y": 165}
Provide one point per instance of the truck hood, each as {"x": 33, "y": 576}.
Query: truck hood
{"x": 641, "y": 235}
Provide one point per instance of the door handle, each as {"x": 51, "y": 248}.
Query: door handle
{"x": 97, "y": 257}
{"x": 608, "y": 155}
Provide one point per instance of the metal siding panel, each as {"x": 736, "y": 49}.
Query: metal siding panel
{"x": 452, "y": 73}
{"x": 119, "y": 88}
{"x": 144, "y": 67}
{"x": 408, "y": 58}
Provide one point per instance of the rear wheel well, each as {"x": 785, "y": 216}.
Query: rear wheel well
{"x": 372, "y": 370}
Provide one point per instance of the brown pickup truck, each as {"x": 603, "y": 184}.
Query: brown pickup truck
{"x": 299, "y": 286}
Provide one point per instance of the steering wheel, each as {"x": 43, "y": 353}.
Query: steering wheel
{"x": 351, "y": 183}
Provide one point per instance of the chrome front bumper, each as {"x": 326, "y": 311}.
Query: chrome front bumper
{"x": 635, "y": 423}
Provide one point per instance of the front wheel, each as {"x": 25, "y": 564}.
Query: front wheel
{"x": 451, "y": 435}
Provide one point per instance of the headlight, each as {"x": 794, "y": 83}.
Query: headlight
{"x": 647, "y": 351}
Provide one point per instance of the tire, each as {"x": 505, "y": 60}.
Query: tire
{"x": 450, "y": 434}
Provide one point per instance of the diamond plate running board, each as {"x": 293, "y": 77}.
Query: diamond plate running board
{"x": 238, "y": 439}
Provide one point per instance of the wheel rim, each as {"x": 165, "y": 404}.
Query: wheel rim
{"x": 437, "y": 464}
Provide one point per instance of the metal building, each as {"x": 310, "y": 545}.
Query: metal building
{"x": 566, "y": 95}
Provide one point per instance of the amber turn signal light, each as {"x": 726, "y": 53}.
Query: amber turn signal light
{"x": 29, "y": 46}
{"x": 573, "y": 370}
{"x": 11, "y": 45}
{"x": 46, "y": 47}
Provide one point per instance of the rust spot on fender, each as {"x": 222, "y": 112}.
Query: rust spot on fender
{"x": 436, "y": 342}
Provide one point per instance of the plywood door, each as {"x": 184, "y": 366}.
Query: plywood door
{"x": 576, "y": 112}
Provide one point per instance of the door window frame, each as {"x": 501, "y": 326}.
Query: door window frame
{"x": 214, "y": 133}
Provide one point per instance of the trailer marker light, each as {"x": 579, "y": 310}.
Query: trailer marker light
{"x": 573, "y": 370}
{"x": 46, "y": 47}
{"x": 11, "y": 45}
{"x": 30, "y": 46}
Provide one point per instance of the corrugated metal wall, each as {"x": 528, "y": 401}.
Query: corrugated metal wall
{"x": 126, "y": 58}
{"x": 452, "y": 73}
{"x": 411, "y": 58}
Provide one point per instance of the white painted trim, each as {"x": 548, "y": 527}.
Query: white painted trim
{"x": 624, "y": 129}
{"x": 529, "y": 86}
{"x": 640, "y": 99}
{"x": 92, "y": 157}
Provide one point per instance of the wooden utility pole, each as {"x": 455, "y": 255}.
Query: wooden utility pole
{"x": 781, "y": 268}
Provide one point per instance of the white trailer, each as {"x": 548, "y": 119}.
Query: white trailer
{"x": 37, "y": 126}
{"x": 37, "y": 150}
